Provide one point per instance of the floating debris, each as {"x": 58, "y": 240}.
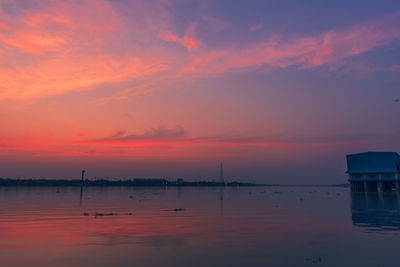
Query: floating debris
{"x": 277, "y": 192}
{"x": 131, "y": 197}
{"x": 86, "y": 214}
{"x": 100, "y": 214}
{"x": 97, "y": 214}
{"x": 314, "y": 260}
{"x": 176, "y": 210}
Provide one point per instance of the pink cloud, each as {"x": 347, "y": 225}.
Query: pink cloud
{"x": 4, "y": 26}
{"x": 332, "y": 47}
{"x": 60, "y": 26}
{"x": 255, "y": 27}
{"x": 159, "y": 141}
{"x": 190, "y": 43}
{"x": 394, "y": 68}
{"x": 73, "y": 48}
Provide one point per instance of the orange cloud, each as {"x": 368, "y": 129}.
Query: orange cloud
{"x": 70, "y": 41}
{"x": 4, "y": 26}
{"x": 38, "y": 33}
{"x": 190, "y": 43}
{"x": 71, "y": 48}
{"x": 70, "y": 73}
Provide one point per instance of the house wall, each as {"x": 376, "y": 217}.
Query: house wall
{"x": 374, "y": 182}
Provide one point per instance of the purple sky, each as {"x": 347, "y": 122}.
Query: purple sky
{"x": 280, "y": 91}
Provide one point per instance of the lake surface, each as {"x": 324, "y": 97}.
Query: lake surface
{"x": 198, "y": 226}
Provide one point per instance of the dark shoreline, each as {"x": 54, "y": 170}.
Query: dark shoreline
{"x": 103, "y": 182}
{"x": 141, "y": 182}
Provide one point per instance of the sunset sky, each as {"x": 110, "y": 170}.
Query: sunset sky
{"x": 279, "y": 91}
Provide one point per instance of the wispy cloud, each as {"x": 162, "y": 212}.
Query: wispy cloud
{"x": 70, "y": 47}
{"x": 333, "y": 47}
{"x": 189, "y": 40}
{"x": 176, "y": 142}
{"x": 255, "y": 27}
{"x": 155, "y": 134}
{"x": 178, "y": 136}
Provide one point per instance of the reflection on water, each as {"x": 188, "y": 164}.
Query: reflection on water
{"x": 376, "y": 211}
{"x": 189, "y": 226}
{"x": 80, "y": 196}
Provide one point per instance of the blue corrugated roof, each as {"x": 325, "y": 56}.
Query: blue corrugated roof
{"x": 373, "y": 162}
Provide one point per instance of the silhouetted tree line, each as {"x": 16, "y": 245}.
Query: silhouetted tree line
{"x": 104, "y": 182}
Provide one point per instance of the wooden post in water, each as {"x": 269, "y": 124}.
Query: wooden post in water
{"x": 83, "y": 174}
{"x": 82, "y": 182}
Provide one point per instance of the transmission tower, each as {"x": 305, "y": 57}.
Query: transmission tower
{"x": 221, "y": 173}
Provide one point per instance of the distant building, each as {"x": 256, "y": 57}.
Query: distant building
{"x": 373, "y": 171}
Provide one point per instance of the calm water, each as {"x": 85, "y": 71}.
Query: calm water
{"x": 260, "y": 226}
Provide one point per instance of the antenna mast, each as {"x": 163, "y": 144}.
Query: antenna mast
{"x": 221, "y": 174}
